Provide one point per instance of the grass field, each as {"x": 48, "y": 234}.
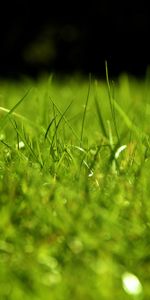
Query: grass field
{"x": 75, "y": 189}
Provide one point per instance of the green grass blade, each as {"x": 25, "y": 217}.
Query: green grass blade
{"x": 5, "y": 118}
{"x": 126, "y": 119}
{"x": 65, "y": 120}
{"x": 26, "y": 143}
{"x": 85, "y": 109}
{"x": 111, "y": 102}
{"x": 32, "y": 124}
{"x": 49, "y": 126}
{"x": 100, "y": 118}
{"x": 57, "y": 126}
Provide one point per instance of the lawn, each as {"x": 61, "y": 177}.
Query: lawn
{"x": 74, "y": 189}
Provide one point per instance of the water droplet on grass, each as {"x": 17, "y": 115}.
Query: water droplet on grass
{"x": 131, "y": 284}
{"x": 119, "y": 150}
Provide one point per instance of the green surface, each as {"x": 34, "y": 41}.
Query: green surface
{"x": 74, "y": 203}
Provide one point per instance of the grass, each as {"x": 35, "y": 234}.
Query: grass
{"x": 74, "y": 189}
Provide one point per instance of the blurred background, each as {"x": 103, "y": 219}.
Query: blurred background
{"x": 43, "y": 38}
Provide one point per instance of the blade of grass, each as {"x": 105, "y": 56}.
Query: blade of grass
{"x": 100, "y": 118}
{"x": 110, "y": 135}
{"x": 34, "y": 125}
{"x": 5, "y": 118}
{"x": 57, "y": 126}
{"x": 56, "y": 137}
{"x": 27, "y": 144}
{"x": 65, "y": 119}
{"x": 48, "y": 128}
{"x": 111, "y": 102}
{"x": 85, "y": 109}
{"x": 5, "y": 144}
{"x": 127, "y": 121}
{"x": 93, "y": 162}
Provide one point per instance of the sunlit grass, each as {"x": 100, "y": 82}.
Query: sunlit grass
{"x": 74, "y": 189}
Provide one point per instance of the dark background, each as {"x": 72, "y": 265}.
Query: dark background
{"x": 38, "y": 38}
